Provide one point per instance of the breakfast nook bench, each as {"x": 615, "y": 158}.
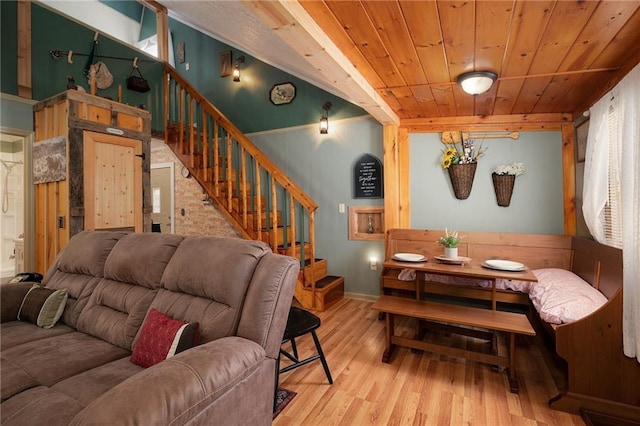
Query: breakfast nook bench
{"x": 462, "y": 316}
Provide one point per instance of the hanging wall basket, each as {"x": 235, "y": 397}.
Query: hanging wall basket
{"x": 503, "y": 186}
{"x": 462, "y": 179}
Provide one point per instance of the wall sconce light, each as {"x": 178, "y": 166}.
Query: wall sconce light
{"x": 324, "y": 121}
{"x": 236, "y": 68}
{"x": 477, "y": 82}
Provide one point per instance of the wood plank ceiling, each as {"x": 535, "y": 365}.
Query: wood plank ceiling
{"x": 399, "y": 59}
{"x": 550, "y": 56}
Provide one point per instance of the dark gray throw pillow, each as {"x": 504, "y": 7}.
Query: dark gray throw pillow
{"x": 43, "y": 306}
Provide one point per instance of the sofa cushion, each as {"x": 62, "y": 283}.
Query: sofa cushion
{"x": 50, "y": 360}
{"x": 79, "y": 268}
{"x": 85, "y": 254}
{"x": 560, "y": 296}
{"x": 43, "y": 306}
{"x": 13, "y": 379}
{"x": 162, "y": 337}
{"x": 89, "y": 385}
{"x": 115, "y": 312}
{"x": 141, "y": 258}
{"x": 206, "y": 282}
{"x": 39, "y": 406}
{"x": 132, "y": 272}
{"x": 15, "y": 333}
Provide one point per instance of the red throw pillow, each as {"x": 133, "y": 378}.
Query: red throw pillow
{"x": 162, "y": 337}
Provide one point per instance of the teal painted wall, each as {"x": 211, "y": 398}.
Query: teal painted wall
{"x": 537, "y": 201}
{"x": 322, "y": 165}
{"x": 131, "y": 9}
{"x": 247, "y": 103}
{"x": 9, "y": 47}
{"x": 51, "y": 31}
{"x": 15, "y": 114}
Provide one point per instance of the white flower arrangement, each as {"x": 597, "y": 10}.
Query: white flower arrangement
{"x": 515, "y": 169}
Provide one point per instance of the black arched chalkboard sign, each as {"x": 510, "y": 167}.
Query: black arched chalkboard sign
{"x": 368, "y": 181}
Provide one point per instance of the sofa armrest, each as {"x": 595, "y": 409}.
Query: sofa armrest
{"x": 12, "y": 295}
{"x": 178, "y": 389}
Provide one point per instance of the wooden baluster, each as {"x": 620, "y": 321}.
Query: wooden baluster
{"x": 243, "y": 188}
{"x": 216, "y": 159}
{"x": 274, "y": 219}
{"x": 228, "y": 174}
{"x": 191, "y": 133}
{"x": 181, "y": 124}
{"x": 258, "y": 202}
{"x": 292, "y": 224}
{"x": 205, "y": 146}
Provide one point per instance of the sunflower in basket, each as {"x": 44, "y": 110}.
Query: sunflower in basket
{"x": 467, "y": 153}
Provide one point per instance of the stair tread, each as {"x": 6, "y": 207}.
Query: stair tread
{"x": 327, "y": 281}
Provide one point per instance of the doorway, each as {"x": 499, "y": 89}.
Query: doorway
{"x": 13, "y": 199}
{"x": 162, "y": 197}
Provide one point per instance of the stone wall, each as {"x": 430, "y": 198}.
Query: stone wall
{"x": 198, "y": 218}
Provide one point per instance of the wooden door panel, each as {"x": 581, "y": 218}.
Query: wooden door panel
{"x": 112, "y": 182}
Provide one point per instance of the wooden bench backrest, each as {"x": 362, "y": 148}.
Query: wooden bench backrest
{"x": 598, "y": 264}
{"x": 534, "y": 250}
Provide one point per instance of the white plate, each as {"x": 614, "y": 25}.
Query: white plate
{"x": 409, "y": 257}
{"x": 504, "y": 265}
{"x": 460, "y": 260}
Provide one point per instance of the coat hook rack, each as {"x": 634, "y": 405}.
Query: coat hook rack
{"x": 56, "y": 55}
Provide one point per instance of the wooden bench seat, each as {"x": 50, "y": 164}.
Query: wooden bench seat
{"x": 495, "y": 321}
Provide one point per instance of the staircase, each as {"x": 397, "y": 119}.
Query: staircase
{"x": 259, "y": 200}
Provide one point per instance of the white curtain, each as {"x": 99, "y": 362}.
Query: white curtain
{"x": 625, "y": 98}
{"x": 629, "y": 103}
{"x": 596, "y": 168}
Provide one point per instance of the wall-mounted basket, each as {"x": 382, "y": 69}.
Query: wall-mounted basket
{"x": 462, "y": 179}
{"x": 503, "y": 186}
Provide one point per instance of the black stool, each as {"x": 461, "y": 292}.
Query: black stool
{"x": 301, "y": 322}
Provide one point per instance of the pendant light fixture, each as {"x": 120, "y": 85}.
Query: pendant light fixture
{"x": 477, "y": 82}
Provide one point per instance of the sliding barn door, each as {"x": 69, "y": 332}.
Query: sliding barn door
{"x": 112, "y": 182}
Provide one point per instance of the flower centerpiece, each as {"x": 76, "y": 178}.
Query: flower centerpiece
{"x": 450, "y": 241}
{"x": 461, "y": 163}
{"x": 504, "y": 178}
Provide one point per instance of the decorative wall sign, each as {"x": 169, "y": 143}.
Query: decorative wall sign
{"x": 368, "y": 181}
{"x": 225, "y": 63}
{"x": 50, "y": 160}
{"x": 181, "y": 54}
{"x": 282, "y": 93}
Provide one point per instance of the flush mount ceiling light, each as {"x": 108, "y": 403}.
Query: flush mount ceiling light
{"x": 477, "y": 82}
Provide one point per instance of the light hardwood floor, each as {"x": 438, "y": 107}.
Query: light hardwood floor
{"x": 413, "y": 388}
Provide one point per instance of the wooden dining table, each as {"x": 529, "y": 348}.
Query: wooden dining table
{"x": 471, "y": 269}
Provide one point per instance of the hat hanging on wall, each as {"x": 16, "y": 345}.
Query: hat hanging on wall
{"x": 104, "y": 78}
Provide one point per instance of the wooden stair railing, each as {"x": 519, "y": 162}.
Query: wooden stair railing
{"x": 260, "y": 200}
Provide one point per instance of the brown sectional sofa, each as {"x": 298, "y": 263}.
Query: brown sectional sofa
{"x": 79, "y": 371}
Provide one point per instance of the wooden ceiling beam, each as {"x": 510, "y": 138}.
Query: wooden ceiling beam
{"x": 293, "y": 24}
{"x": 491, "y": 123}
